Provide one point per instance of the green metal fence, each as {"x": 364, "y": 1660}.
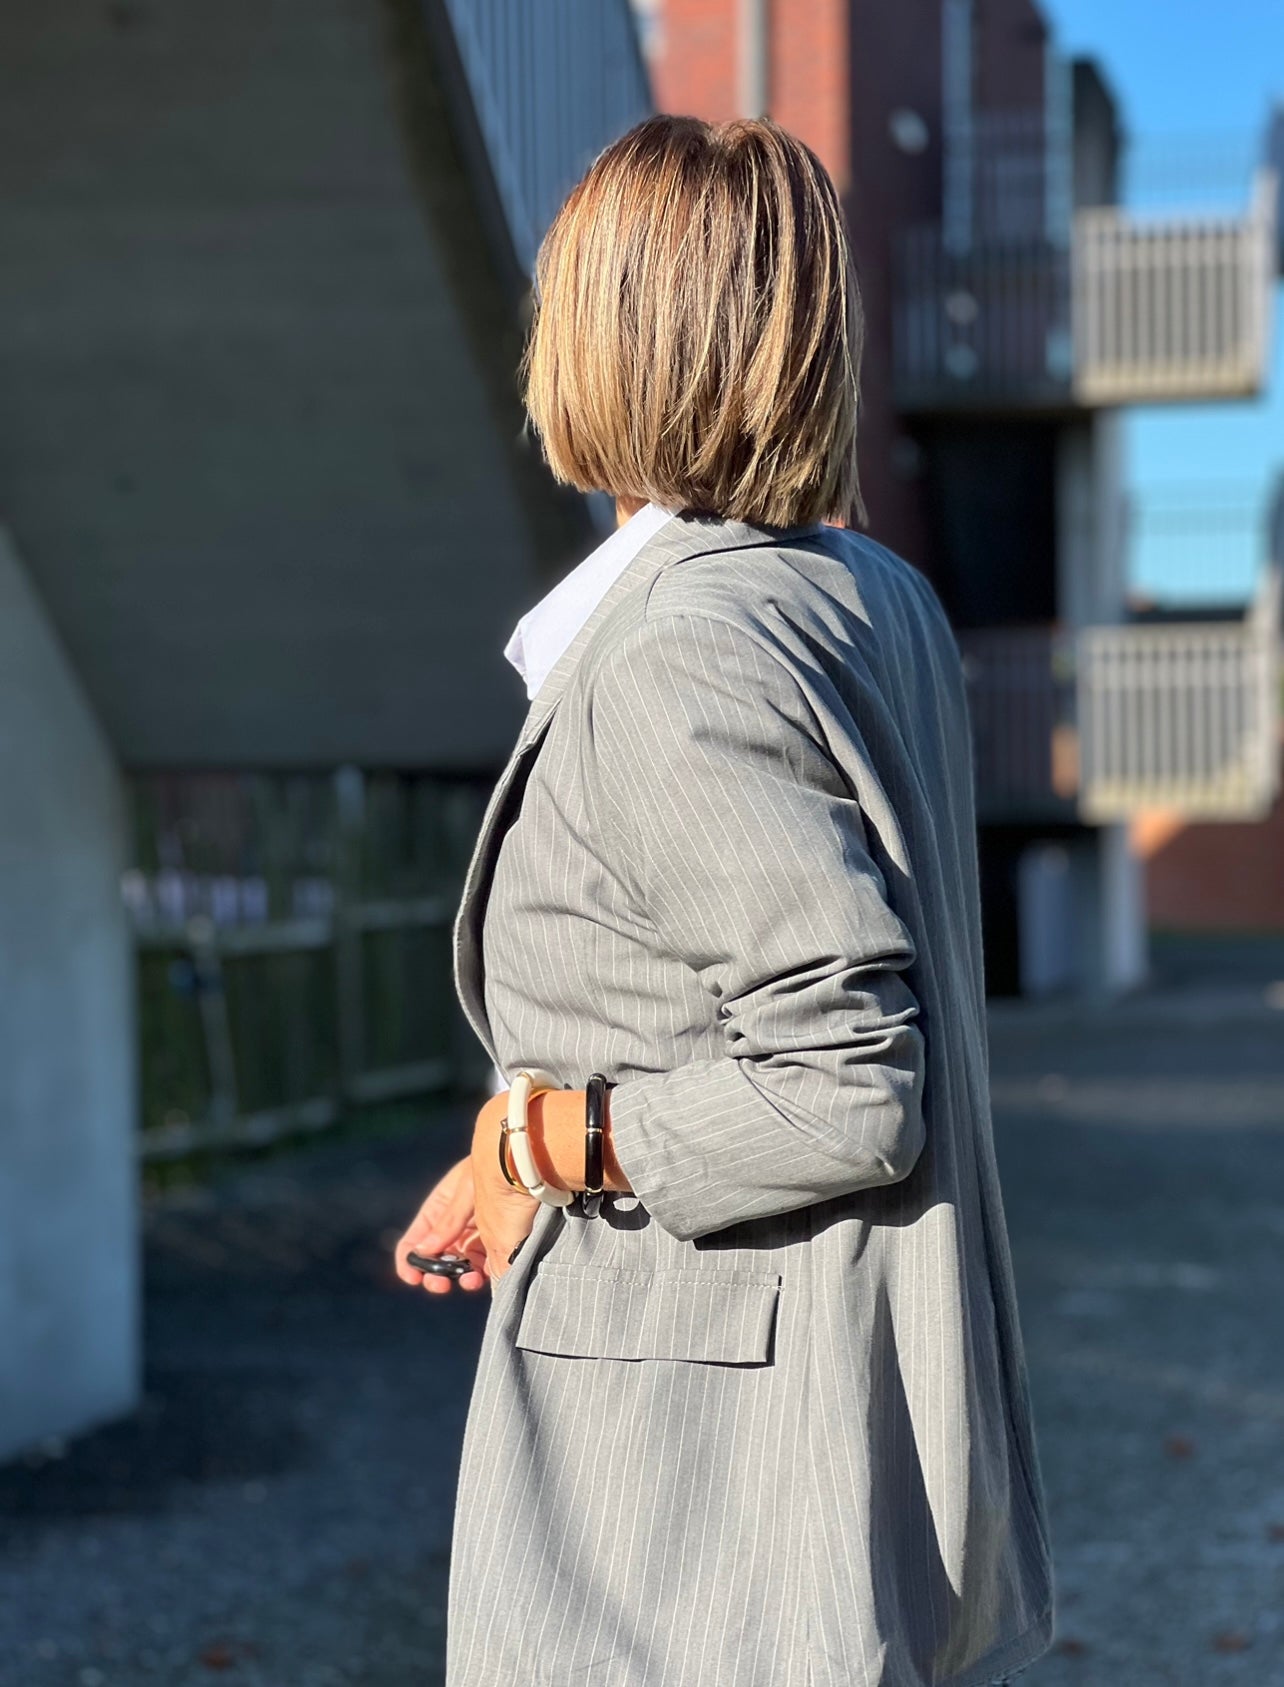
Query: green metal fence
{"x": 294, "y": 948}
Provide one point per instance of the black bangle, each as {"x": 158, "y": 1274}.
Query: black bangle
{"x": 594, "y": 1137}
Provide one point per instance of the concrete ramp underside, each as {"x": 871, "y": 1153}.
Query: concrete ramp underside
{"x": 267, "y": 486}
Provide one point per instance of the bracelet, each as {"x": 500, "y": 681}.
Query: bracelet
{"x": 528, "y": 1081}
{"x": 594, "y": 1138}
{"x": 503, "y": 1157}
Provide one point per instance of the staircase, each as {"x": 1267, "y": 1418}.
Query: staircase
{"x": 550, "y": 85}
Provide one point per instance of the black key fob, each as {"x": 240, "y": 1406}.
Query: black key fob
{"x": 441, "y": 1265}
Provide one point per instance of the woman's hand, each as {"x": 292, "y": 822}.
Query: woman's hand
{"x": 504, "y": 1215}
{"x": 446, "y": 1223}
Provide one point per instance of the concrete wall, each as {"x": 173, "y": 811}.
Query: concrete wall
{"x": 250, "y": 443}
{"x": 69, "y": 1266}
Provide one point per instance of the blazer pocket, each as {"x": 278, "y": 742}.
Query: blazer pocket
{"x": 618, "y": 1312}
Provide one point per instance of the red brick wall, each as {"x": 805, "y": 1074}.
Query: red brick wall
{"x": 695, "y": 69}
{"x": 809, "y": 84}
{"x": 1206, "y": 877}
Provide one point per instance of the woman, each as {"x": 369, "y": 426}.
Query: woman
{"x": 759, "y": 1417}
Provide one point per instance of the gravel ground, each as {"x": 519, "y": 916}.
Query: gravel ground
{"x": 277, "y": 1513}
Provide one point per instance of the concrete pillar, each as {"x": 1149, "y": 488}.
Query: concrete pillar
{"x": 1081, "y": 915}
{"x": 1046, "y": 919}
{"x": 1109, "y": 925}
{"x": 1091, "y": 513}
{"x": 69, "y": 1233}
{"x": 1124, "y": 956}
{"x": 1106, "y": 880}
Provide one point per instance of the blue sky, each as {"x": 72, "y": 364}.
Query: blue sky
{"x": 1182, "y": 67}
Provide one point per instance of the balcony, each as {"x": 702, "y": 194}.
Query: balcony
{"x": 1173, "y": 307}
{"x": 1176, "y": 709}
{"x": 1181, "y": 717}
{"x": 1014, "y": 300}
{"x": 985, "y": 328}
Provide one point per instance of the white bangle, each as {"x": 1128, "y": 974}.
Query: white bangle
{"x": 517, "y": 1130}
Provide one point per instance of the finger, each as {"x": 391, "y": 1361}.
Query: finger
{"x": 401, "y": 1265}
{"x": 417, "y": 1241}
{"x": 436, "y": 1228}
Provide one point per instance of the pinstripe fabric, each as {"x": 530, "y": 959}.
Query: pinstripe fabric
{"x": 765, "y": 1422}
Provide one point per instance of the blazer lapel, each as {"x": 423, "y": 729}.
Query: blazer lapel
{"x": 678, "y": 540}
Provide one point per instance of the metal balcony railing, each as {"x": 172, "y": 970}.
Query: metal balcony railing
{"x": 1182, "y": 717}
{"x": 1008, "y": 179}
{"x": 1194, "y": 549}
{"x": 1109, "y": 721}
{"x": 1204, "y": 170}
{"x": 986, "y": 325}
{"x": 1020, "y": 684}
{"x": 1013, "y": 299}
{"x": 551, "y": 85}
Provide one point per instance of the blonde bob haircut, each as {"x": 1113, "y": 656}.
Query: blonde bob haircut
{"x": 697, "y": 328}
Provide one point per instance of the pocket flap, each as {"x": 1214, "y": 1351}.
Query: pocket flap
{"x": 617, "y": 1312}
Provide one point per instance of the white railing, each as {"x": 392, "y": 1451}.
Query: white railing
{"x": 1104, "y": 723}
{"x": 551, "y": 85}
{"x": 1173, "y": 307}
{"x": 1181, "y": 717}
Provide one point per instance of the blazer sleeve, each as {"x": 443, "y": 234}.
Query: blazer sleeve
{"x": 748, "y": 856}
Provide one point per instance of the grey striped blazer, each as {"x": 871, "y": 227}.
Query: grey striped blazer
{"x": 765, "y": 1421}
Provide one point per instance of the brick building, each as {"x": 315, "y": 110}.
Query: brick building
{"x": 980, "y": 175}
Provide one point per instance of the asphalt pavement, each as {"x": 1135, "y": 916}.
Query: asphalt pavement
{"x": 277, "y": 1513}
